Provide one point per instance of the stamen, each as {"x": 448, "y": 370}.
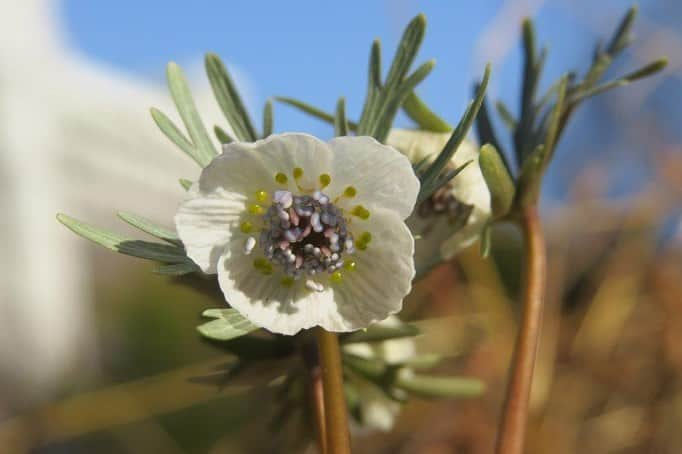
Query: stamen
{"x": 350, "y": 192}
{"x": 261, "y": 196}
{"x": 246, "y": 227}
{"x": 361, "y": 212}
{"x": 254, "y": 208}
{"x": 281, "y": 178}
{"x": 336, "y": 277}
{"x": 364, "y": 240}
{"x": 325, "y": 179}
{"x": 350, "y": 266}
{"x": 284, "y": 198}
{"x": 249, "y": 245}
{"x": 298, "y": 173}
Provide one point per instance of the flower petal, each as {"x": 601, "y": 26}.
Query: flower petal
{"x": 382, "y": 176}
{"x": 384, "y": 272}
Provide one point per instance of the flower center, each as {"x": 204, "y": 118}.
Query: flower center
{"x": 305, "y": 234}
{"x": 443, "y": 203}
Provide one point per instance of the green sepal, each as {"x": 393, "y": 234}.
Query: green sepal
{"x": 497, "y": 178}
{"x": 228, "y": 324}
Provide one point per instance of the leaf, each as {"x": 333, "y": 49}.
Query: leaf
{"x": 486, "y": 240}
{"x": 531, "y": 76}
{"x": 340, "y": 121}
{"x": 143, "y": 249}
{"x": 428, "y": 386}
{"x": 312, "y": 110}
{"x": 229, "y": 100}
{"x": 384, "y": 100}
{"x": 622, "y": 36}
{"x": 148, "y": 227}
{"x": 506, "y": 115}
{"x": 204, "y": 149}
{"x": 430, "y": 178}
{"x": 185, "y": 183}
{"x": 178, "y": 269}
{"x": 378, "y": 333}
{"x": 174, "y": 134}
{"x": 527, "y": 189}
{"x": 486, "y": 132}
{"x": 222, "y": 136}
{"x": 425, "y": 118}
{"x": 228, "y": 324}
{"x": 497, "y": 178}
{"x": 267, "y": 119}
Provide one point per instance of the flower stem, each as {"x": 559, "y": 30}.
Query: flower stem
{"x": 515, "y": 411}
{"x": 336, "y": 418}
{"x": 311, "y": 359}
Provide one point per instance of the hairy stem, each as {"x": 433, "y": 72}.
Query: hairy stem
{"x": 315, "y": 390}
{"x": 515, "y": 411}
{"x": 336, "y": 418}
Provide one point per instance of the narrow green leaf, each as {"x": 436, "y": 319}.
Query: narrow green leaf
{"x": 378, "y": 333}
{"x": 531, "y": 77}
{"x": 186, "y": 184}
{"x": 117, "y": 243}
{"x": 182, "y": 97}
{"x": 458, "y": 135}
{"x": 174, "y": 134}
{"x": 427, "y": 386}
{"x": 486, "y": 131}
{"x": 228, "y": 324}
{"x": 555, "y": 121}
{"x": 407, "y": 51}
{"x": 425, "y": 118}
{"x": 506, "y": 115}
{"x": 622, "y": 36}
{"x": 340, "y": 121}
{"x": 312, "y": 110}
{"x": 267, "y": 119}
{"x": 228, "y": 99}
{"x": 440, "y": 181}
{"x": 530, "y": 178}
{"x": 149, "y": 227}
{"x": 222, "y": 136}
{"x": 373, "y": 85}
{"x": 497, "y": 178}
{"x": 178, "y": 269}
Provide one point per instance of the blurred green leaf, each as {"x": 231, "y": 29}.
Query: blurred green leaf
{"x": 428, "y": 386}
{"x": 174, "y": 134}
{"x": 178, "y": 269}
{"x": 143, "y": 249}
{"x": 486, "y": 131}
{"x": 228, "y": 324}
{"x": 497, "y": 178}
{"x": 623, "y": 35}
{"x": 425, "y": 118}
{"x": 340, "y": 120}
{"x": 186, "y": 184}
{"x": 229, "y": 100}
{"x": 379, "y": 333}
{"x": 267, "y": 119}
{"x": 149, "y": 227}
{"x": 312, "y": 110}
{"x": 222, "y": 136}
{"x": 506, "y": 115}
{"x": 430, "y": 181}
{"x": 204, "y": 149}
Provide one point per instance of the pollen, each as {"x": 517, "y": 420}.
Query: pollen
{"x": 325, "y": 179}
{"x": 254, "y": 208}
{"x": 361, "y": 212}
{"x": 281, "y": 178}
{"x": 364, "y": 240}
{"x": 261, "y": 196}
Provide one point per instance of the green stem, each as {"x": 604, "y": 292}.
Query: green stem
{"x": 311, "y": 359}
{"x": 336, "y": 418}
{"x": 515, "y": 411}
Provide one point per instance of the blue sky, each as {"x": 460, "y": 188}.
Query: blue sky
{"x": 317, "y": 51}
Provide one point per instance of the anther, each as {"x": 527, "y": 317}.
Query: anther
{"x": 249, "y": 245}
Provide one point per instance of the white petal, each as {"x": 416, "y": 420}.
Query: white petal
{"x": 382, "y": 176}
{"x": 205, "y": 224}
{"x": 383, "y": 275}
{"x": 267, "y": 303}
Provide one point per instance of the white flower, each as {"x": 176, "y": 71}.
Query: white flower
{"x": 304, "y": 233}
{"x": 377, "y": 411}
{"x": 454, "y": 216}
